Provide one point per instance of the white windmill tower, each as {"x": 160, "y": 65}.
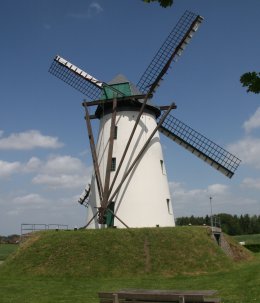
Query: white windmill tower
{"x": 134, "y": 176}
{"x": 129, "y": 187}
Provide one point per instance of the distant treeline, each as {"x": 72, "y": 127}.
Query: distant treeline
{"x": 230, "y": 224}
{"x": 12, "y": 239}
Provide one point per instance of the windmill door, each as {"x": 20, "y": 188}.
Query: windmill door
{"x": 110, "y": 215}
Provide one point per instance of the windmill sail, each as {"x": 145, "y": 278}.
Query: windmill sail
{"x": 172, "y": 47}
{"x": 200, "y": 146}
{"x": 75, "y": 77}
{"x": 79, "y": 79}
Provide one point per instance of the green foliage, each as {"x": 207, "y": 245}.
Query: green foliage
{"x": 230, "y": 224}
{"x": 253, "y": 247}
{"x": 252, "y": 81}
{"x": 163, "y": 3}
{"x": 11, "y": 239}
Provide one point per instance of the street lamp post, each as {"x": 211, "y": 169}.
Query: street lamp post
{"x": 211, "y": 216}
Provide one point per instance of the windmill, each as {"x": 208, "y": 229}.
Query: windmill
{"x": 129, "y": 187}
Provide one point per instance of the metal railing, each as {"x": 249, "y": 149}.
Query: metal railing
{"x": 28, "y": 228}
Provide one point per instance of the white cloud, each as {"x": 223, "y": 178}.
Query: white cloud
{"x": 248, "y": 149}
{"x": 57, "y": 172}
{"x": 34, "y": 164}
{"x": 96, "y": 7}
{"x": 214, "y": 189}
{"x": 29, "y": 199}
{"x": 196, "y": 201}
{"x": 93, "y": 9}
{"x": 253, "y": 122}
{"x": 9, "y": 168}
{"x": 251, "y": 183}
{"x": 187, "y": 202}
{"x": 60, "y": 181}
{"x": 63, "y": 172}
{"x": 33, "y": 208}
{"x": 217, "y": 189}
{"x": 63, "y": 164}
{"x": 29, "y": 140}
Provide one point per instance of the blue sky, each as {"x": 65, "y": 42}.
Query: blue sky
{"x": 45, "y": 160}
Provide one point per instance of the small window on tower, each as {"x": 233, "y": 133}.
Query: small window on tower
{"x": 168, "y": 206}
{"x": 162, "y": 167}
{"x": 115, "y": 133}
{"x": 113, "y": 164}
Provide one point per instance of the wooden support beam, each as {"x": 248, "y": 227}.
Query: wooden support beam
{"x": 118, "y": 218}
{"x": 99, "y": 102}
{"x": 165, "y": 107}
{"x": 94, "y": 154}
{"x": 85, "y": 226}
{"x": 110, "y": 154}
{"x": 91, "y": 117}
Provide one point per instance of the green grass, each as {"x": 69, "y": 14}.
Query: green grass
{"x": 249, "y": 239}
{"x": 74, "y": 266}
{"x": 241, "y": 284}
{"x": 117, "y": 252}
{"x": 6, "y": 250}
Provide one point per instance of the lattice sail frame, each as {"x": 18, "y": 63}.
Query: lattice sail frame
{"x": 79, "y": 79}
{"x": 75, "y": 77}
{"x": 199, "y": 145}
{"x": 173, "y": 46}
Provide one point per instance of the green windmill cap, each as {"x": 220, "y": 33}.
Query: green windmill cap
{"x": 122, "y": 84}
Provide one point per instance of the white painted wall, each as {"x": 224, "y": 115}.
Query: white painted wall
{"x": 142, "y": 200}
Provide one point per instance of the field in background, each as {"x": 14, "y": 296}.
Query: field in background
{"x": 7, "y": 249}
{"x": 249, "y": 239}
{"x": 251, "y": 242}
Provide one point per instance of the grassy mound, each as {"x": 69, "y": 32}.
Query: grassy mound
{"x": 119, "y": 253}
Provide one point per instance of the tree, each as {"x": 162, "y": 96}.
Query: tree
{"x": 163, "y": 3}
{"x": 252, "y": 81}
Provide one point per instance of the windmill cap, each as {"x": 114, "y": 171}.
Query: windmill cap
{"x": 121, "y": 79}
{"x": 128, "y": 89}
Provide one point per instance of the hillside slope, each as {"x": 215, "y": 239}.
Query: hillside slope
{"x": 119, "y": 252}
